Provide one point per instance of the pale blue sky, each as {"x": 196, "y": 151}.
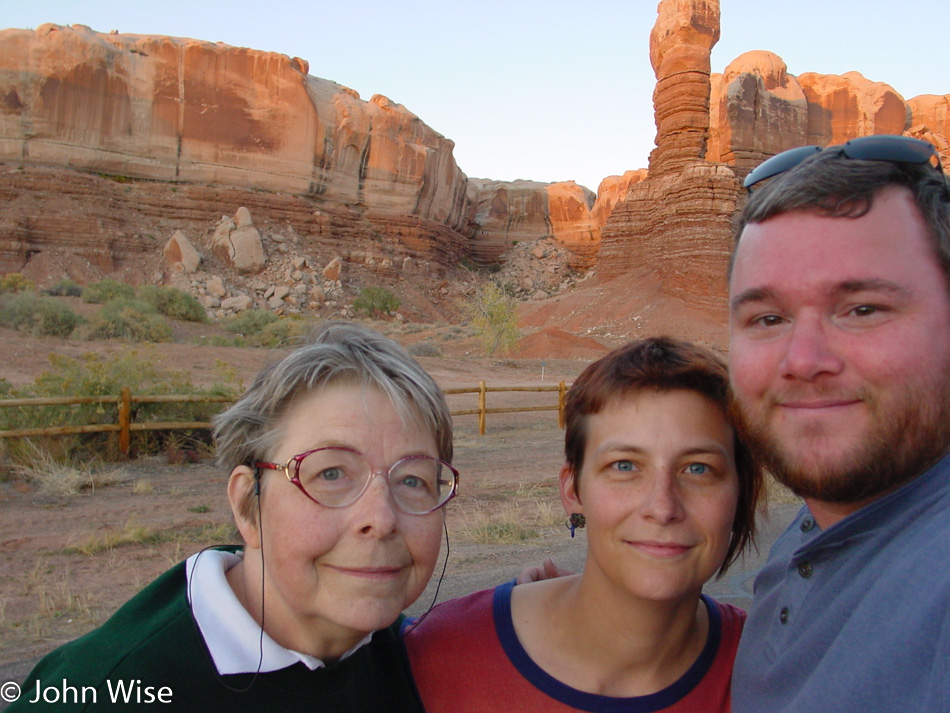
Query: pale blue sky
{"x": 542, "y": 90}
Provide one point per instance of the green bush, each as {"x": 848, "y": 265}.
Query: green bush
{"x": 95, "y": 375}
{"x": 64, "y": 288}
{"x": 425, "y": 348}
{"x": 42, "y": 316}
{"x": 15, "y": 282}
{"x": 174, "y": 303}
{"x": 107, "y": 289}
{"x": 284, "y": 332}
{"x": 250, "y": 322}
{"x": 127, "y": 319}
{"x": 492, "y": 315}
{"x": 375, "y": 302}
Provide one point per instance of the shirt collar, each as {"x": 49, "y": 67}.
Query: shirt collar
{"x": 232, "y": 636}
{"x": 894, "y": 510}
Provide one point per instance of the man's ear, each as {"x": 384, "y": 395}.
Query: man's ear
{"x": 244, "y": 502}
{"x": 569, "y": 497}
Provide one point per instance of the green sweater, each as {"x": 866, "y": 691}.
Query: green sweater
{"x": 150, "y": 656}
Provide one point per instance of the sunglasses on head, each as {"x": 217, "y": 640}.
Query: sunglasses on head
{"x": 880, "y": 147}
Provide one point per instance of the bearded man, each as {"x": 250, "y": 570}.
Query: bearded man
{"x": 840, "y": 364}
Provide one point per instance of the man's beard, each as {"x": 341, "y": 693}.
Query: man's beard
{"x": 898, "y": 446}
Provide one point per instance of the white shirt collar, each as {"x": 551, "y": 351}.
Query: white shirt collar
{"x": 230, "y": 633}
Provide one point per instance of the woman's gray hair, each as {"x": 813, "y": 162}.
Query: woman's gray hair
{"x": 337, "y": 352}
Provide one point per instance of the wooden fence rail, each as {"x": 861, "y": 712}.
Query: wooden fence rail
{"x": 124, "y": 425}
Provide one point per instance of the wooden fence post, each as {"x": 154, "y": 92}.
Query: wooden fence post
{"x": 482, "y": 390}
{"x": 125, "y": 421}
{"x": 561, "y": 394}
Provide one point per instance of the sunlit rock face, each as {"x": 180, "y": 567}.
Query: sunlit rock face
{"x": 673, "y": 226}
{"x": 198, "y": 113}
{"x": 187, "y": 110}
{"x": 930, "y": 120}
{"x": 757, "y": 109}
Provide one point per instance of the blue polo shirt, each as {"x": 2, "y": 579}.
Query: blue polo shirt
{"x": 855, "y": 617}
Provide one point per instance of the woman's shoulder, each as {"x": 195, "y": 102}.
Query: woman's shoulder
{"x": 731, "y": 618}
{"x": 158, "y": 617}
{"x": 466, "y": 616}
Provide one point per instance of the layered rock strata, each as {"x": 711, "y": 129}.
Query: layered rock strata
{"x": 673, "y": 227}
{"x": 188, "y": 111}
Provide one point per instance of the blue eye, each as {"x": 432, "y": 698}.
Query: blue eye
{"x": 697, "y": 469}
{"x": 331, "y": 474}
{"x": 623, "y": 465}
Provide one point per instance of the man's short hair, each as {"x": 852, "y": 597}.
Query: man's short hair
{"x": 831, "y": 184}
{"x": 661, "y": 364}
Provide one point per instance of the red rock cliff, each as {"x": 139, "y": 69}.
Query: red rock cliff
{"x": 192, "y": 111}
{"x": 673, "y": 226}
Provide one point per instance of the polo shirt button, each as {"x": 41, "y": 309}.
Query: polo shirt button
{"x": 783, "y": 615}
{"x": 805, "y": 570}
{"x": 808, "y": 524}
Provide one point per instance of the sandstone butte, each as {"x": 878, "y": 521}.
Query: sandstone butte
{"x": 226, "y": 127}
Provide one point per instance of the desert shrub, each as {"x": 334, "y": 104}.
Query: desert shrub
{"x": 425, "y": 348}
{"x": 284, "y": 332}
{"x": 492, "y": 315}
{"x": 174, "y": 303}
{"x": 64, "y": 288}
{"x": 95, "y": 375}
{"x": 219, "y": 340}
{"x": 106, "y": 290}
{"x": 250, "y": 322}
{"x": 375, "y": 302}
{"x": 42, "y": 316}
{"x": 133, "y": 320}
{"x": 16, "y": 282}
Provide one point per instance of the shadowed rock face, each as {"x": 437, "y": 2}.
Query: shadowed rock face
{"x": 185, "y": 110}
{"x": 509, "y": 212}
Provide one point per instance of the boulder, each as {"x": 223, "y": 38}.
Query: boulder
{"x": 238, "y": 243}
{"x": 215, "y": 287}
{"x": 238, "y": 303}
{"x": 332, "y": 271}
{"x": 181, "y": 254}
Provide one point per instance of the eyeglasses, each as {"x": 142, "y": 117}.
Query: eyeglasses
{"x": 879, "y": 147}
{"x": 337, "y": 477}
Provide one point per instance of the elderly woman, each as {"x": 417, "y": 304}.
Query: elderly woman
{"x": 339, "y": 458}
{"x": 668, "y": 494}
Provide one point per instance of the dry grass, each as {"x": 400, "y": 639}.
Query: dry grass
{"x": 505, "y": 513}
{"x": 134, "y": 534}
{"x": 56, "y": 479}
{"x": 143, "y": 486}
{"x": 55, "y": 602}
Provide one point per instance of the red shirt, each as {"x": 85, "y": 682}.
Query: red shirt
{"x": 466, "y": 658}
